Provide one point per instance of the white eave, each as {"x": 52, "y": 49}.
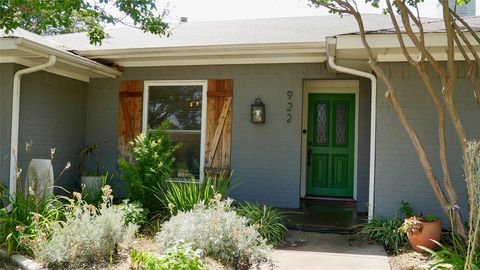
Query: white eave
{"x": 306, "y": 52}
{"x": 30, "y": 53}
{"x": 386, "y": 47}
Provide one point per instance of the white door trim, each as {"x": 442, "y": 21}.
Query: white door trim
{"x": 204, "y": 84}
{"x": 328, "y": 87}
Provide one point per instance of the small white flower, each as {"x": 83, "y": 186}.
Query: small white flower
{"x": 19, "y": 172}
{"x": 31, "y": 191}
{"x": 77, "y": 195}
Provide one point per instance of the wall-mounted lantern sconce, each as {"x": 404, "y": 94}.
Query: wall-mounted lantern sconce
{"x": 258, "y": 112}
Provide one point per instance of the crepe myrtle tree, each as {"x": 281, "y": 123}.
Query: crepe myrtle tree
{"x": 66, "y": 16}
{"x": 407, "y": 22}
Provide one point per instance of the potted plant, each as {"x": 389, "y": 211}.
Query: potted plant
{"x": 421, "y": 231}
{"x": 90, "y": 180}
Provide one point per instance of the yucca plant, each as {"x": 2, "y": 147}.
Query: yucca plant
{"x": 183, "y": 195}
{"x": 268, "y": 219}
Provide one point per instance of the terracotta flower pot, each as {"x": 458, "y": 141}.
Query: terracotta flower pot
{"x": 431, "y": 231}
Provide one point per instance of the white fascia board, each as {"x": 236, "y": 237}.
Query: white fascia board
{"x": 220, "y": 60}
{"x": 218, "y": 55}
{"x": 438, "y": 56}
{"x": 378, "y": 41}
{"x": 67, "y": 58}
{"x": 205, "y": 50}
{"x": 386, "y": 47}
{"x": 56, "y": 70}
{"x": 7, "y": 44}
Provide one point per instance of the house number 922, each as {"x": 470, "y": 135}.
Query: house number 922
{"x": 289, "y": 106}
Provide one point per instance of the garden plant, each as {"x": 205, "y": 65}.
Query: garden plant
{"x": 150, "y": 164}
{"x": 268, "y": 220}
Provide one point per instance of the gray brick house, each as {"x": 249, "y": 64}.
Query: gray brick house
{"x": 326, "y": 131}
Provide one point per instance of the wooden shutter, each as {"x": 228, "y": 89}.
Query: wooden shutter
{"x": 130, "y": 113}
{"x": 219, "y": 126}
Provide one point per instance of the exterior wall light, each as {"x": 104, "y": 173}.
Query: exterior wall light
{"x": 258, "y": 112}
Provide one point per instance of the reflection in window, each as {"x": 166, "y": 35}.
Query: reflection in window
{"x": 181, "y": 107}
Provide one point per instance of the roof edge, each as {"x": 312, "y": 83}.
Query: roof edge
{"x": 67, "y": 57}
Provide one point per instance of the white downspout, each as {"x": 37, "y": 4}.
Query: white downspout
{"x": 373, "y": 120}
{"x": 15, "y": 118}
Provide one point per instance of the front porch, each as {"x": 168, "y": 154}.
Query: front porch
{"x": 325, "y": 215}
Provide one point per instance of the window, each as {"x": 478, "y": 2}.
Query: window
{"x": 183, "y": 105}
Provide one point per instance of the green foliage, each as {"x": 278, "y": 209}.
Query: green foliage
{"x": 385, "y": 231}
{"x": 429, "y": 218}
{"x": 153, "y": 158}
{"x": 17, "y": 225}
{"x": 181, "y": 256}
{"x": 182, "y": 196}
{"x": 133, "y": 212}
{"x": 54, "y": 17}
{"x": 268, "y": 219}
{"x": 447, "y": 258}
{"x": 93, "y": 194}
{"x": 406, "y": 209}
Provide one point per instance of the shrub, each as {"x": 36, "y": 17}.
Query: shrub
{"x": 183, "y": 196}
{"x": 17, "y": 225}
{"x": 180, "y": 256}
{"x": 385, "y": 231}
{"x": 133, "y": 212}
{"x": 152, "y": 161}
{"x": 268, "y": 219}
{"x": 218, "y": 231}
{"x": 88, "y": 234}
{"x": 17, "y": 222}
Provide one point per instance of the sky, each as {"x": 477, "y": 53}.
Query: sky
{"x": 214, "y": 10}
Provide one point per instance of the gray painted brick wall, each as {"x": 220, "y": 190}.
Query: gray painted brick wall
{"x": 265, "y": 158}
{"x": 53, "y": 115}
{"x": 6, "y": 85}
{"x": 398, "y": 174}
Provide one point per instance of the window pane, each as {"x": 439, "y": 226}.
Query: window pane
{"x": 340, "y": 123}
{"x": 181, "y": 106}
{"x": 187, "y": 157}
{"x": 321, "y": 123}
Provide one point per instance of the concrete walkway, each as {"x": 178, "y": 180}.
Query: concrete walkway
{"x": 323, "y": 251}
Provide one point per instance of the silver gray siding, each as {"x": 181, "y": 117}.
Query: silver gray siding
{"x": 52, "y": 115}
{"x": 265, "y": 158}
{"x": 398, "y": 174}
{"x": 6, "y": 85}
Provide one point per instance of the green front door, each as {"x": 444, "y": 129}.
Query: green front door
{"x": 330, "y": 144}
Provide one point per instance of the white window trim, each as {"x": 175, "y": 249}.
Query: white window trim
{"x": 329, "y": 87}
{"x": 204, "y": 84}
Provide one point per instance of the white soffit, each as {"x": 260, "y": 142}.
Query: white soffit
{"x": 29, "y": 53}
{"x": 387, "y": 48}
{"x": 213, "y": 55}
